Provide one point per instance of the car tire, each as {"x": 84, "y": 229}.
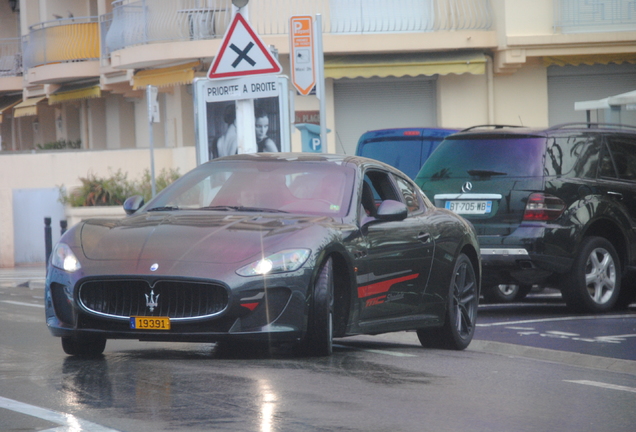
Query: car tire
{"x": 92, "y": 348}
{"x": 461, "y": 312}
{"x": 523, "y": 291}
{"x": 593, "y": 284}
{"x": 502, "y": 293}
{"x": 319, "y": 339}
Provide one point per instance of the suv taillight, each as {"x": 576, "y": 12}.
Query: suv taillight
{"x": 542, "y": 207}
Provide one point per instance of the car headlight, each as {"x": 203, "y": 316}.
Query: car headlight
{"x": 64, "y": 258}
{"x": 281, "y": 262}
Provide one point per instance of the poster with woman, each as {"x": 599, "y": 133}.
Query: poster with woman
{"x": 216, "y": 126}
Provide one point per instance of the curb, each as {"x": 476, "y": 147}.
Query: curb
{"x": 564, "y": 357}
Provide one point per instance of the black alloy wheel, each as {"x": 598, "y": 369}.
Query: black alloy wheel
{"x": 461, "y": 315}
{"x": 319, "y": 338}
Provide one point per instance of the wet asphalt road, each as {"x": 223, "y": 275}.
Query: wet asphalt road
{"x": 533, "y": 368}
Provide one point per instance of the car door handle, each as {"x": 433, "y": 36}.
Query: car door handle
{"x": 424, "y": 237}
{"x": 616, "y": 195}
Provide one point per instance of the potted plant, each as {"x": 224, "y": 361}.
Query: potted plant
{"x": 99, "y": 197}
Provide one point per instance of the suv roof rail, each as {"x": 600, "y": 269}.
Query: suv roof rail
{"x": 590, "y": 125}
{"x": 490, "y": 126}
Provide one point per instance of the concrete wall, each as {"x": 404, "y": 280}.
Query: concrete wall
{"x": 64, "y": 168}
{"x": 522, "y": 98}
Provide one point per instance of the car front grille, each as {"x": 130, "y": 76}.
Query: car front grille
{"x": 176, "y": 299}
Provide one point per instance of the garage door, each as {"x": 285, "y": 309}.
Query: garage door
{"x": 569, "y": 84}
{"x": 365, "y": 104}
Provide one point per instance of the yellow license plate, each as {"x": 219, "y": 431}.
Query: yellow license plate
{"x": 149, "y": 323}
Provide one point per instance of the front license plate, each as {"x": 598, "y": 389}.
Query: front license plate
{"x": 469, "y": 207}
{"x": 149, "y": 323}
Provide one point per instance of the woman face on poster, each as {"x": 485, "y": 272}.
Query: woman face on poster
{"x": 262, "y": 127}
{"x": 263, "y": 142}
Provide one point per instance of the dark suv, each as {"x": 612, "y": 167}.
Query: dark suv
{"x": 553, "y": 207}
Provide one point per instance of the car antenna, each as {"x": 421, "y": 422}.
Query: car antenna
{"x": 340, "y": 141}
{"x": 520, "y": 121}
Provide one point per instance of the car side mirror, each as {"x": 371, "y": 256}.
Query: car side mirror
{"x": 391, "y": 210}
{"x": 133, "y": 203}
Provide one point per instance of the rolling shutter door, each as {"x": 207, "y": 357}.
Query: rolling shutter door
{"x": 362, "y": 105}
{"x": 569, "y": 84}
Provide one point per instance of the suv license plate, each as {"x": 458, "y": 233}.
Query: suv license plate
{"x": 149, "y": 323}
{"x": 469, "y": 207}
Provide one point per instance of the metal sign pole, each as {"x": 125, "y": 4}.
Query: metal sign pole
{"x": 245, "y": 130}
{"x": 151, "y": 98}
{"x": 320, "y": 82}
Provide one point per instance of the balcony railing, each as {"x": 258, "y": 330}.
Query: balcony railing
{"x": 60, "y": 41}
{"x": 10, "y": 57}
{"x": 577, "y": 16}
{"x": 136, "y": 22}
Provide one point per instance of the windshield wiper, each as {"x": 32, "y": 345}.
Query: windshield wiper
{"x": 485, "y": 173}
{"x": 245, "y": 209}
{"x": 164, "y": 208}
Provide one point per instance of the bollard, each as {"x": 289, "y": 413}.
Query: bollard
{"x": 63, "y": 225}
{"x": 48, "y": 239}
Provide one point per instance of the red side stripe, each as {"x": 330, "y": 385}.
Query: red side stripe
{"x": 382, "y": 287}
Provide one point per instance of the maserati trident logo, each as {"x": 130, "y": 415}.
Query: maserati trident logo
{"x": 467, "y": 187}
{"x": 152, "y": 301}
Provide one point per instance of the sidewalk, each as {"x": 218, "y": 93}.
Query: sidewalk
{"x": 31, "y": 276}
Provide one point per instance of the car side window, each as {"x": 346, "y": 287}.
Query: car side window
{"x": 622, "y": 155}
{"x": 377, "y": 187}
{"x": 575, "y": 155}
{"x": 409, "y": 195}
{"x": 607, "y": 168}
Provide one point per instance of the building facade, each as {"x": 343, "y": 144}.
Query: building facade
{"x": 73, "y": 74}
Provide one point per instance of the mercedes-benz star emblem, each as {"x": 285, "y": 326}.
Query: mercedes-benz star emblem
{"x": 467, "y": 187}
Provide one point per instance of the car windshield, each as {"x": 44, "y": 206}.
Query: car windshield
{"x": 516, "y": 157}
{"x": 261, "y": 186}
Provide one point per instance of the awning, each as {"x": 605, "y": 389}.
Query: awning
{"x": 577, "y": 60}
{"x": 7, "y": 103}
{"x": 398, "y": 65}
{"x": 169, "y": 76}
{"x": 622, "y": 99}
{"x": 73, "y": 92}
{"x": 28, "y": 107}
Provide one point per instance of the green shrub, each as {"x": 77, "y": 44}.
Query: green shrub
{"x": 114, "y": 189}
{"x": 60, "y": 144}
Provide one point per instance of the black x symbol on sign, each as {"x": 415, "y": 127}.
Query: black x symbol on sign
{"x": 242, "y": 54}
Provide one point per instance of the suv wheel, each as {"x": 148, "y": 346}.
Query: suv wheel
{"x": 594, "y": 282}
{"x": 505, "y": 293}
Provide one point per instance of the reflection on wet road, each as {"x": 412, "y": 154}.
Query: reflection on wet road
{"x": 385, "y": 383}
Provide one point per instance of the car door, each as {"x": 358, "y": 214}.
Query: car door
{"x": 617, "y": 180}
{"x": 395, "y": 269}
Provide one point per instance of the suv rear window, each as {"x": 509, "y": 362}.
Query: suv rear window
{"x": 518, "y": 157}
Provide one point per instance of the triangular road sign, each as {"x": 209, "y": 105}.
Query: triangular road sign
{"x": 242, "y": 53}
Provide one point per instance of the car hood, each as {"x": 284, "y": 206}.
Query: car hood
{"x": 196, "y": 237}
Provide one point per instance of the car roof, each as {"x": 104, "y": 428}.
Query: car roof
{"x": 500, "y": 131}
{"x": 357, "y": 161}
{"x": 422, "y": 132}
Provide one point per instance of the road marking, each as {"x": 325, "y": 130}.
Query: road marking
{"x": 22, "y": 304}
{"x": 603, "y": 385}
{"x": 391, "y": 353}
{"x": 572, "y": 318}
{"x": 70, "y": 422}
